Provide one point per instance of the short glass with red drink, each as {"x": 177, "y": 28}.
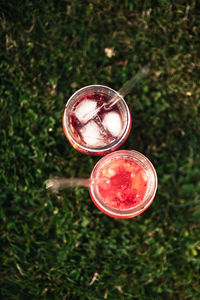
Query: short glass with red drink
{"x": 91, "y": 126}
{"x": 126, "y": 184}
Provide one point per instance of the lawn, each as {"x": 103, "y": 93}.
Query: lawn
{"x": 60, "y": 246}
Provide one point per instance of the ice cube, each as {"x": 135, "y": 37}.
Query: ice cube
{"x": 112, "y": 122}
{"x": 144, "y": 175}
{"x": 91, "y": 134}
{"x": 111, "y": 172}
{"x": 85, "y": 110}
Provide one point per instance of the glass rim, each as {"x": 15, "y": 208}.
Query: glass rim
{"x": 148, "y": 198}
{"x": 106, "y": 148}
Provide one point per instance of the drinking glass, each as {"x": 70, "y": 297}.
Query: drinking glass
{"x": 90, "y": 126}
{"x": 129, "y": 186}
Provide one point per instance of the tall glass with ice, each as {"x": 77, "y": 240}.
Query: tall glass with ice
{"x": 92, "y": 127}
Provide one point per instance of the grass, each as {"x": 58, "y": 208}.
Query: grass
{"x": 62, "y": 246}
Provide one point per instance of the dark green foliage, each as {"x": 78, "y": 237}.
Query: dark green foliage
{"x": 62, "y": 246}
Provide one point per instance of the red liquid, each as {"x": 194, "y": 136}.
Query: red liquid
{"x": 128, "y": 184}
{"x": 77, "y": 126}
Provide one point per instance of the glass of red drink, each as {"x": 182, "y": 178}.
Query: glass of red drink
{"x": 90, "y": 126}
{"x": 129, "y": 187}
